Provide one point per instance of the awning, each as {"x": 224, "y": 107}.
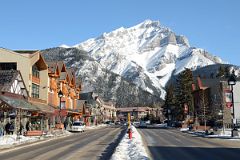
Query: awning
{"x": 73, "y": 112}
{"x": 18, "y": 103}
{"x": 44, "y": 107}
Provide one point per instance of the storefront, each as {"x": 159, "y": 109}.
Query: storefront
{"x": 15, "y": 112}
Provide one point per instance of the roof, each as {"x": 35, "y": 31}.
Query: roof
{"x": 60, "y": 65}
{"x": 18, "y": 103}
{"x": 63, "y": 75}
{"x": 52, "y": 66}
{"x": 86, "y": 96}
{"x": 25, "y": 51}
{"x": 70, "y": 72}
{"x": 80, "y": 105}
{"x": 44, "y": 107}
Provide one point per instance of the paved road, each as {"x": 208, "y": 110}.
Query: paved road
{"x": 92, "y": 144}
{"x": 171, "y": 144}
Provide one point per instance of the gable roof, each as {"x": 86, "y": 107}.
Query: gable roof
{"x": 52, "y": 66}
{"x": 41, "y": 63}
{"x": 7, "y": 78}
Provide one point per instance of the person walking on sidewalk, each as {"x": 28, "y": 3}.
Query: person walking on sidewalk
{"x": 1, "y": 129}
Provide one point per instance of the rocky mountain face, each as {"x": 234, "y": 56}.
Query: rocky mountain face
{"x": 137, "y": 61}
{"x": 147, "y": 54}
{"x": 108, "y": 85}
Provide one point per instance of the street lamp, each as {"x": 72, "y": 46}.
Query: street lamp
{"x": 232, "y": 82}
{"x": 60, "y": 95}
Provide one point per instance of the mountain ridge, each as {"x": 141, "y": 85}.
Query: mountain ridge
{"x": 146, "y": 53}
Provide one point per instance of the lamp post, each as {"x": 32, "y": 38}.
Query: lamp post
{"x": 60, "y": 95}
{"x": 232, "y": 82}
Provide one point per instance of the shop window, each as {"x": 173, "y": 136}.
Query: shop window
{"x": 35, "y": 91}
{"x": 35, "y": 71}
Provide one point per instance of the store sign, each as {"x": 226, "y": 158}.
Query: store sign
{"x": 228, "y": 98}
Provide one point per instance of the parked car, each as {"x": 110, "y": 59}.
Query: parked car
{"x": 161, "y": 125}
{"x": 117, "y": 123}
{"x": 136, "y": 124}
{"x": 78, "y": 126}
{"x": 143, "y": 124}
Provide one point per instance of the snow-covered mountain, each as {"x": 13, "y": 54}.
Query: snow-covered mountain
{"x": 146, "y": 54}
{"x": 94, "y": 77}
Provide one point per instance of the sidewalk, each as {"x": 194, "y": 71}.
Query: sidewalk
{"x": 222, "y": 135}
{"x": 11, "y": 141}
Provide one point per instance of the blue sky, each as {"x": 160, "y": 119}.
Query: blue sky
{"x": 210, "y": 24}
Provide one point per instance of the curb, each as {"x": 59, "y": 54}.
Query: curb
{"x": 110, "y": 152}
{"x": 209, "y": 136}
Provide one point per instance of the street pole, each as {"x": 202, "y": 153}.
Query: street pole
{"x": 204, "y": 112}
{"x": 232, "y": 82}
{"x": 129, "y": 120}
{"x": 60, "y": 109}
{"x": 60, "y": 95}
{"x": 223, "y": 126}
{"x": 233, "y": 107}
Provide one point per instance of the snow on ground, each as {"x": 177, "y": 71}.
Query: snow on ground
{"x": 95, "y": 127}
{"x": 131, "y": 149}
{"x": 184, "y": 129}
{"x": 8, "y": 141}
{"x": 224, "y": 134}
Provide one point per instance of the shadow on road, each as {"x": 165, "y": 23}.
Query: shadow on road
{"x": 107, "y": 153}
{"x": 193, "y": 153}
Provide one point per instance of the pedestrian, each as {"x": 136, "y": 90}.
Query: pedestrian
{"x": 1, "y": 129}
{"x": 28, "y": 126}
{"x": 20, "y": 129}
{"x": 11, "y": 128}
{"x": 65, "y": 124}
{"x": 7, "y": 126}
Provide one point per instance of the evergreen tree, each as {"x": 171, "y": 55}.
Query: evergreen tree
{"x": 169, "y": 100}
{"x": 227, "y": 71}
{"x": 221, "y": 71}
{"x": 183, "y": 92}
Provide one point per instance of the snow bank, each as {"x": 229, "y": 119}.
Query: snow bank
{"x": 9, "y": 140}
{"x": 95, "y": 127}
{"x": 184, "y": 129}
{"x": 131, "y": 149}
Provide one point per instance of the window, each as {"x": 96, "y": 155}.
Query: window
{"x": 35, "y": 71}
{"x": 35, "y": 90}
{"x": 8, "y": 66}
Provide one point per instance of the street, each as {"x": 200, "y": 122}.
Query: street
{"x": 92, "y": 144}
{"x": 171, "y": 144}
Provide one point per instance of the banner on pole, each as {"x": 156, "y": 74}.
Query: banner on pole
{"x": 228, "y": 98}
